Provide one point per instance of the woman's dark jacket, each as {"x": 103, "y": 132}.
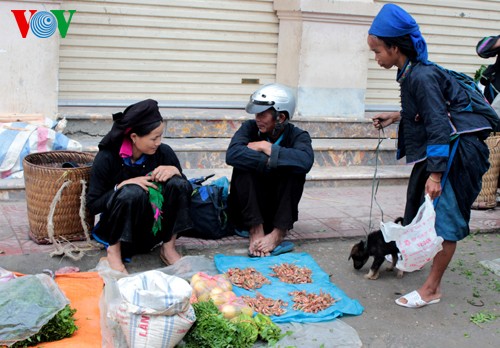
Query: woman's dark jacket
{"x": 109, "y": 170}
{"x": 434, "y": 108}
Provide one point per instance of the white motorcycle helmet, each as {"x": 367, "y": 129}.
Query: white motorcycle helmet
{"x": 274, "y": 95}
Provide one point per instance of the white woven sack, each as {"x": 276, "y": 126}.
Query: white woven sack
{"x": 155, "y": 309}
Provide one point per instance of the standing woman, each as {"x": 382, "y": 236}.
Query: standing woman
{"x": 438, "y": 132}
{"x": 137, "y": 187}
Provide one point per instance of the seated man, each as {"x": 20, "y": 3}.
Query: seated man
{"x": 270, "y": 159}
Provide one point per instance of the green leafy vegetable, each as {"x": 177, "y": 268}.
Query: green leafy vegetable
{"x": 479, "y": 72}
{"x": 33, "y": 310}
{"x": 62, "y": 325}
{"x": 483, "y": 317}
{"x": 211, "y": 329}
{"x": 268, "y": 331}
{"x": 247, "y": 331}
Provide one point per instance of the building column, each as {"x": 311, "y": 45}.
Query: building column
{"x": 322, "y": 52}
{"x": 29, "y": 66}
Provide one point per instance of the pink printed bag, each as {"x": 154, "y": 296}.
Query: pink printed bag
{"x": 417, "y": 242}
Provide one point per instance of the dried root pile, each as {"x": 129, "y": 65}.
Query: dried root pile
{"x": 311, "y": 303}
{"x": 265, "y": 305}
{"x": 292, "y": 274}
{"x": 247, "y": 278}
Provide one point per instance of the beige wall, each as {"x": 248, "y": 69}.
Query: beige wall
{"x": 322, "y": 52}
{"x": 195, "y": 53}
{"x": 181, "y": 53}
{"x": 28, "y": 66}
{"x": 451, "y": 29}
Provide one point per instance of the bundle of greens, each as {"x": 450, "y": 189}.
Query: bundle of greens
{"x": 212, "y": 330}
{"x": 62, "y": 325}
{"x": 33, "y": 309}
{"x": 268, "y": 331}
{"x": 247, "y": 331}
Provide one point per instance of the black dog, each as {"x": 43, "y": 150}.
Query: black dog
{"x": 377, "y": 247}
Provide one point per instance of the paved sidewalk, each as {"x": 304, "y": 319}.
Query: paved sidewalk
{"x": 324, "y": 213}
{"x": 329, "y": 220}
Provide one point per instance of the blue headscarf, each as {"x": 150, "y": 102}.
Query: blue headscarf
{"x": 393, "y": 21}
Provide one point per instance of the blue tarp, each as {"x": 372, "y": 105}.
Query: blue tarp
{"x": 280, "y": 290}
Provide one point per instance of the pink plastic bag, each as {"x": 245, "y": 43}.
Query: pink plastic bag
{"x": 417, "y": 242}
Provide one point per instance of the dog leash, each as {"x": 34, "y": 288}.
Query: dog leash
{"x": 375, "y": 182}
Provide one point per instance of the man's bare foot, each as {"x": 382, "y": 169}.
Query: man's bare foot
{"x": 266, "y": 245}
{"x": 115, "y": 258}
{"x": 168, "y": 254}
{"x": 256, "y": 234}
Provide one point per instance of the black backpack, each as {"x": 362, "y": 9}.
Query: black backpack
{"x": 209, "y": 208}
{"x": 478, "y": 103}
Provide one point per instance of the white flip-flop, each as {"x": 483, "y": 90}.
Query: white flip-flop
{"x": 414, "y": 300}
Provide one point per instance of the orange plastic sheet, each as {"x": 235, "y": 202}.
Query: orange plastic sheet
{"x": 83, "y": 291}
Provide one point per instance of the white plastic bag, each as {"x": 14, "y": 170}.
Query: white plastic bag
{"x": 26, "y": 304}
{"x": 111, "y": 332}
{"x": 5, "y": 275}
{"x": 188, "y": 265}
{"x": 417, "y": 242}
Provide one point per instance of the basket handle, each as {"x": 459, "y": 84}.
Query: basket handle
{"x": 76, "y": 253}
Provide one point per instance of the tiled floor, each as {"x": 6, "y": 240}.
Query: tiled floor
{"x": 340, "y": 212}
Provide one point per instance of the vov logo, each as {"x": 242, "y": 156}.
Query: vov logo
{"x": 42, "y": 23}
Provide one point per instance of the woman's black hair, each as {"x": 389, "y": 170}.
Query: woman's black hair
{"x": 404, "y": 43}
{"x": 142, "y": 130}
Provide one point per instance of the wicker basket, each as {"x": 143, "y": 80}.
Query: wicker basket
{"x": 487, "y": 198}
{"x": 56, "y": 203}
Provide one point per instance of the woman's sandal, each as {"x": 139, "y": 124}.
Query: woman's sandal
{"x": 164, "y": 259}
{"x": 414, "y": 300}
{"x": 121, "y": 268}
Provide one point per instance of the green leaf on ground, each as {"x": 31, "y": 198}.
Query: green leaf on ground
{"x": 483, "y": 317}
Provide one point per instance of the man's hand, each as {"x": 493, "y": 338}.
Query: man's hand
{"x": 261, "y": 146}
